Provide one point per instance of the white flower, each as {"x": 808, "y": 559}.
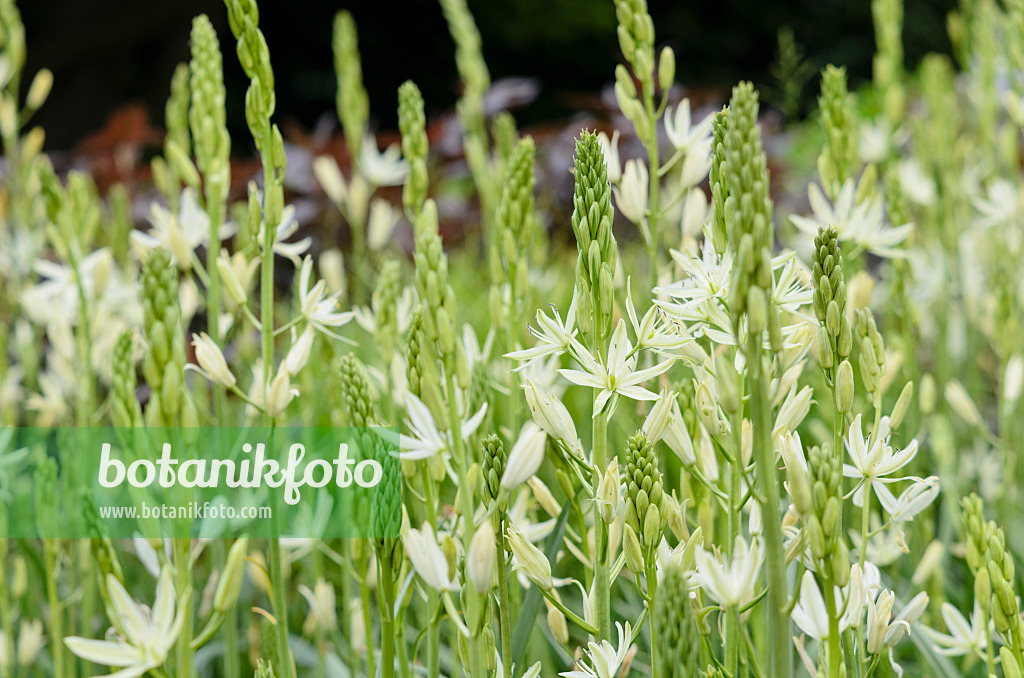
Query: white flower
{"x": 696, "y": 166}
{"x": 631, "y": 193}
{"x": 605, "y": 659}
{"x": 298, "y": 354}
{"x": 810, "y": 613}
{"x": 912, "y": 501}
{"x": 616, "y": 376}
{"x": 884, "y": 633}
{"x": 322, "y": 601}
{"x": 382, "y": 169}
{"x": 179, "y": 233}
{"x": 554, "y": 335}
{"x": 610, "y": 150}
{"x": 426, "y": 440}
{"x": 681, "y": 131}
{"x": 286, "y": 229}
{"x": 1013, "y": 379}
{"x": 212, "y": 364}
{"x": 143, "y": 637}
{"x": 963, "y": 638}
{"x": 30, "y": 642}
{"x": 917, "y": 186}
{"x": 525, "y": 457}
{"x": 327, "y": 172}
{"x": 862, "y": 223}
{"x": 873, "y": 459}
{"x": 381, "y": 224}
{"x": 1001, "y": 204}
{"x": 730, "y": 584}
{"x": 874, "y": 141}
{"x": 652, "y": 332}
{"x": 428, "y": 559}
{"x": 317, "y": 307}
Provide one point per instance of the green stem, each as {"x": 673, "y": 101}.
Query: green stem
{"x": 654, "y": 185}
{"x": 767, "y": 478}
{"x": 184, "y": 657}
{"x": 504, "y": 608}
{"x": 473, "y": 602}
{"x": 602, "y": 572}
{"x": 364, "y": 597}
{"x": 53, "y": 601}
{"x": 385, "y": 600}
{"x": 651, "y": 574}
{"x": 732, "y": 640}
{"x": 835, "y": 655}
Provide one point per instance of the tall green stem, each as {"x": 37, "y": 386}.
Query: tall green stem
{"x": 768, "y": 482}
{"x": 184, "y": 658}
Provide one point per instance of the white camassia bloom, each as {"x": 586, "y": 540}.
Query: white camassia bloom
{"x": 652, "y": 332}
{"x": 873, "y": 459}
{"x": 810, "y": 612}
{"x": 553, "y": 334}
{"x": 328, "y": 174}
{"x": 616, "y": 376}
{"x": 884, "y": 632}
{"x": 144, "y": 636}
{"x": 322, "y": 601}
{"x": 317, "y": 306}
{"x": 862, "y": 223}
{"x": 286, "y": 229}
{"x": 964, "y": 638}
{"x": 730, "y": 584}
{"x": 917, "y": 186}
{"x": 381, "y": 224}
{"x": 179, "y": 233}
{"x": 425, "y": 439}
{"x": 382, "y": 169}
{"x": 605, "y": 659}
{"x": 428, "y": 559}
{"x": 610, "y": 150}
{"x": 631, "y": 193}
{"x": 681, "y": 131}
{"x": 1002, "y": 204}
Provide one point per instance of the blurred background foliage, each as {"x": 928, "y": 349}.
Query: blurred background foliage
{"x": 108, "y": 53}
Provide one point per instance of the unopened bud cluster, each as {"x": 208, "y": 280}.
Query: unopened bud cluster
{"x": 839, "y": 156}
{"x": 835, "y": 338}
{"x": 825, "y": 521}
{"x": 645, "y": 509}
{"x": 872, "y": 350}
{"x": 412, "y": 123}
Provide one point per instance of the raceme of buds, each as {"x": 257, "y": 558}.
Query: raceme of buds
{"x": 675, "y": 626}
{"x": 352, "y": 102}
{"x": 412, "y": 124}
{"x": 514, "y": 214}
{"x": 355, "y": 390}
{"x": 210, "y": 140}
{"x": 835, "y": 338}
{"x": 644, "y": 492}
{"x": 492, "y": 468}
{"x": 717, "y": 179}
{"x": 592, "y": 225}
{"x": 838, "y": 159}
{"x": 824, "y": 525}
{"x": 872, "y": 350}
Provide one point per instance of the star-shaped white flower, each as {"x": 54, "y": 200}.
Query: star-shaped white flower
{"x": 730, "y": 584}
{"x": 964, "y": 637}
{"x": 874, "y": 461}
{"x": 143, "y": 637}
{"x": 605, "y": 659}
{"x": 616, "y": 376}
{"x": 426, "y": 440}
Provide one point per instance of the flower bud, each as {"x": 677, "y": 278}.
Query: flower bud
{"x": 962, "y": 403}
{"x": 232, "y": 284}
{"x": 481, "y": 557}
{"x": 631, "y": 548}
{"x": 899, "y": 410}
{"x": 525, "y": 457}
{"x": 298, "y": 354}
{"x": 550, "y": 414}
{"x": 280, "y": 393}
{"x": 666, "y": 68}
{"x": 728, "y": 384}
{"x": 544, "y": 497}
{"x": 39, "y": 89}
{"x": 230, "y": 583}
{"x": 660, "y": 416}
{"x": 608, "y": 491}
{"x": 844, "y": 387}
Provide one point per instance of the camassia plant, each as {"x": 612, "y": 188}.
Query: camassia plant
{"x": 704, "y": 428}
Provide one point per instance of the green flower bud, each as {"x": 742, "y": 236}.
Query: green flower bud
{"x": 675, "y": 627}
{"x": 844, "y": 387}
{"x": 230, "y": 583}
